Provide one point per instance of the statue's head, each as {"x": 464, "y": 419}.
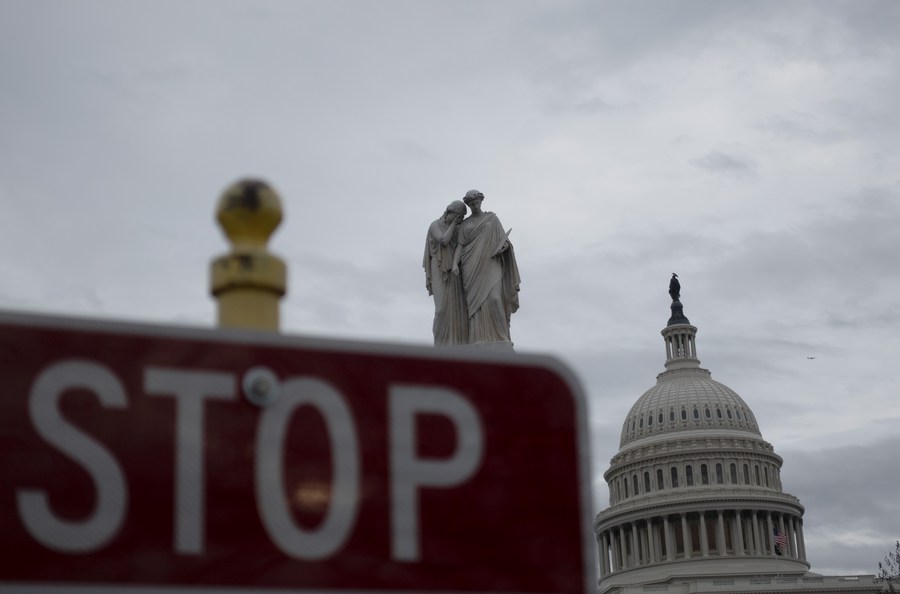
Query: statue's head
{"x": 456, "y": 207}
{"x": 472, "y": 196}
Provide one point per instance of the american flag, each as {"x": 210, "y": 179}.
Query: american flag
{"x": 780, "y": 539}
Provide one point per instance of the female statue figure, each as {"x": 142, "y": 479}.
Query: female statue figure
{"x": 485, "y": 259}
{"x": 450, "y": 326}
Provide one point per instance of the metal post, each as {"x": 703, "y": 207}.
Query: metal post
{"x": 248, "y": 282}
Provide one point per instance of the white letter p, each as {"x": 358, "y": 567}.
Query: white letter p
{"x": 408, "y": 472}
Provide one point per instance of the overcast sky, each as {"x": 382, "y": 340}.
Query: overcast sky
{"x": 751, "y": 147}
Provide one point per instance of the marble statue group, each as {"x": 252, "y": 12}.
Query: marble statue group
{"x": 471, "y": 271}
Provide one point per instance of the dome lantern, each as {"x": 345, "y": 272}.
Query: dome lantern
{"x": 680, "y": 336}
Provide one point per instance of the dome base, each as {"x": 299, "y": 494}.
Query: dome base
{"x": 710, "y": 567}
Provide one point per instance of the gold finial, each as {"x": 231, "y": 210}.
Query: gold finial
{"x": 249, "y": 281}
{"x": 249, "y": 211}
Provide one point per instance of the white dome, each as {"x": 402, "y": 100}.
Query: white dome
{"x": 686, "y": 399}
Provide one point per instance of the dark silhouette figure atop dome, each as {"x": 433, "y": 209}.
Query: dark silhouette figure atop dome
{"x": 674, "y": 288}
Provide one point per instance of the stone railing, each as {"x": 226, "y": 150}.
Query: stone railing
{"x": 695, "y": 494}
{"x": 761, "y": 583}
{"x": 798, "y": 583}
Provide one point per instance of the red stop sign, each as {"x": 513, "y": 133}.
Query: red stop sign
{"x": 174, "y": 458}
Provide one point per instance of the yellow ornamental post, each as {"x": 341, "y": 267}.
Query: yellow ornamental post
{"x": 249, "y": 281}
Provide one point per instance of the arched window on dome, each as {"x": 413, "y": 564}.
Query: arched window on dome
{"x": 650, "y": 420}
{"x": 719, "y": 478}
{"x": 689, "y": 476}
{"x": 766, "y": 474}
{"x": 756, "y": 474}
{"x": 728, "y": 413}
{"x": 661, "y": 418}
{"x": 671, "y": 415}
{"x": 659, "y": 480}
{"x": 718, "y": 413}
{"x": 674, "y": 477}
{"x": 634, "y": 483}
{"x": 696, "y": 414}
{"x": 707, "y": 413}
{"x": 746, "y": 474}
{"x": 733, "y": 474}
{"x": 704, "y": 474}
{"x": 647, "y": 482}
{"x": 625, "y": 490}
{"x": 641, "y": 423}
{"x": 632, "y": 425}
{"x": 683, "y": 415}
{"x": 737, "y": 412}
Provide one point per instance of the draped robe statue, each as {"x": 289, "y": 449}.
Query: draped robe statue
{"x": 451, "y": 324}
{"x": 485, "y": 260}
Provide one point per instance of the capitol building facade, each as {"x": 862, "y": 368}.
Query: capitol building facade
{"x": 695, "y": 493}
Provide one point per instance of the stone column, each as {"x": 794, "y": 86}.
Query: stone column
{"x": 604, "y": 555}
{"x": 613, "y": 555}
{"x": 600, "y": 554}
{"x": 635, "y": 557}
{"x": 756, "y": 543}
{"x": 652, "y": 541}
{"x": 686, "y": 537}
{"x": 800, "y": 540}
{"x": 781, "y": 528}
{"x": 792, "y": 543}
{"x": 704, "y": 540}
{"x": 739, "y": 533}
{"x": 648, "y": 544}
{"x": 670, "y": 553}
{"x": 617, "y": 548}
{"x": 623, "y": 553}
{"x": 641, "y": 559}
{"x": 721, "y": 549}
{"x": 770, "y": 537}
{"x": 610, "y": 554}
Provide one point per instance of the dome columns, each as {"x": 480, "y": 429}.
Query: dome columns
{"x": 603, "y": 545}
{"x": 720, "y": 533}
{"x": 681, "y": 346}
{"x": 738, "y": 534}
{"x": 699, "y": 536}
{"x": 704, "y": 537}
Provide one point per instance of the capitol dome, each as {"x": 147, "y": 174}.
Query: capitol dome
{"x": 694, "y": 490}
{"x": 686, "y": 400}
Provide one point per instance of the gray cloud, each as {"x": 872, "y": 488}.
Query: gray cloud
{"x": 802, "y": 128}
{"x": 835, "y": 253}
{"x": 722, "y": 163}
{"x": 829, "y": 483}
